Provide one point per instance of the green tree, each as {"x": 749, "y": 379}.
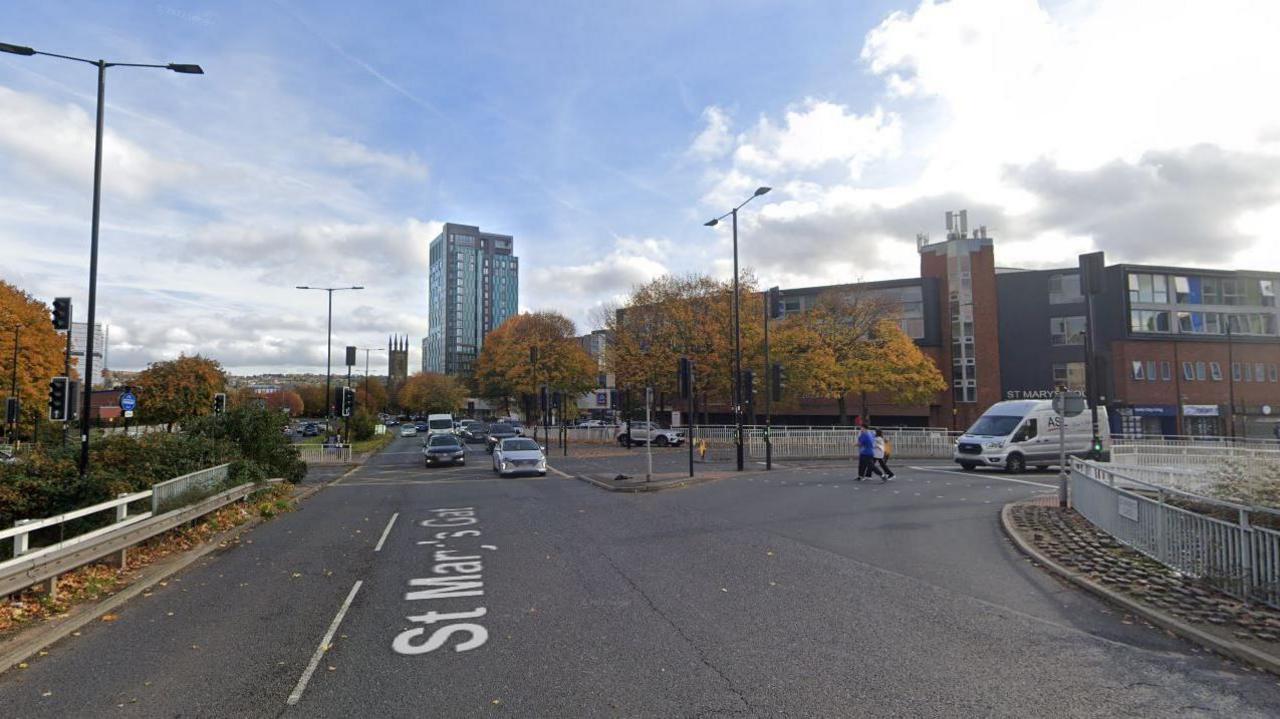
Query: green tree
{"x": 178, "y": 390}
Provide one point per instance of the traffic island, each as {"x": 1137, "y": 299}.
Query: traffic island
{"x": 628, "y": 483}
{"x": 1066, "y": 544}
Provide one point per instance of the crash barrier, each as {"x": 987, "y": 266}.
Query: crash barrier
{"x": 325, "y": 454}
{"x": 1226, "y": 550}
{"x": 183, "y": 490}
{"x": 31, "y": 566}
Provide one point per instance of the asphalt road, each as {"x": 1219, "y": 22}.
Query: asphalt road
{"x": 792, "y": 593}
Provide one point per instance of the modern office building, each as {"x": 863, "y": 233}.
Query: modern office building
{"x": 600, "y": 402}
{"x": 79, "y": 339}
{"x": 473, "y": 287}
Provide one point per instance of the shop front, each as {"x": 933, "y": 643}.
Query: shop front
{"x": 1202, "y": 420}
{"x": 1147, "y": 420}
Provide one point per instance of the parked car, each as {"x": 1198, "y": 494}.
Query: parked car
{"x": 498, "y": 431}
{"x": 587, "y": 423}
{"x": 518, "y": 427}
{"x": 444, "y": 449}
{"x": 517, "y": 455}
{"x": 408, "y": 430}
{"x": 644, "y": 432}
{"x": 7, "y": 457}
{"x": 310, "y": 429}
{"x": 474, "y": 432}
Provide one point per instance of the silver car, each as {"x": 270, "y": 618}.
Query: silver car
{"x": 519, "y": 455}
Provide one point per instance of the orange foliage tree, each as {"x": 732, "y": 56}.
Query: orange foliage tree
{"x": 40, "y": 351}
{"x": 179, "y": 389}
{"x": 505, "y": 368}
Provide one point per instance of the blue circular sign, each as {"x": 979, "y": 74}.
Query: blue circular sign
{"x": 128, "y": 402}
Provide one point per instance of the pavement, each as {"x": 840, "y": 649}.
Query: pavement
{"x": 448, "y": 592}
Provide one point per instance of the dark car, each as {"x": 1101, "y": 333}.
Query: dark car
{"x": 444, "y": 449}
{"x": 310, "y": 430}
{"x": 498, "y": 431}
{"x": 422, "y": 427}
{"x": 474, "y": 432}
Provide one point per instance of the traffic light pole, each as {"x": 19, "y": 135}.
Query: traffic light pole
{"x": 87, "y": 376}
{"x": 13, "y": 427}
{"x": 768, "y": 390}
{"x": 66, "y": 361}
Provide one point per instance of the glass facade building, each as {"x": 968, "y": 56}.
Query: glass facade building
{"x": 473, "y": 286}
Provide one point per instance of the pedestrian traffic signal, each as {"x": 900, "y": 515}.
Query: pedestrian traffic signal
{"x": 220, "y": 403}
{"x": 11, "y": 410}
{"x": 347, "y": 403}
{"x": 556, "y": 400}
{"x": 542, "y": 398}
{"x": 684, "y": 378}
{"x": 748, "y": 386}
{"x": 62, "y": 313}
{"x": 59, "y": 393}
{"x": 777, "y": 380}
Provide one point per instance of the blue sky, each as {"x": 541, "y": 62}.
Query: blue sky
{"x": 328, "y": 140}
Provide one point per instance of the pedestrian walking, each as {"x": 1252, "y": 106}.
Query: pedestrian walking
{"x": 881, "y": 455}
{"x": 866, "y": 455}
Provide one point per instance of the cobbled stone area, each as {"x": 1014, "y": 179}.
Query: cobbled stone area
{"x": 1071, "y": 541}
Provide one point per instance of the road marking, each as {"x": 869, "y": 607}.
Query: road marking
{"x": 999, "y": 479}
{"x": 562, "y": 474}
{"x": 401, "y": 482}
{"x": 386, "y": 531}
{"x": 324, "y": 644}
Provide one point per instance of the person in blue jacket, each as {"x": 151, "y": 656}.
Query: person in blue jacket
{"x": 867, "y": 455}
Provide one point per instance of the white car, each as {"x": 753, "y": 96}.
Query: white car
{"x": 408, "y": 430}
{"x": 587, "y": 423}
{"x": 642, "y": 432}
{"x": 517, "y": 455}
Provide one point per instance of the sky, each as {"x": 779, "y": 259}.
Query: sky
{"x": 328, "y": 141}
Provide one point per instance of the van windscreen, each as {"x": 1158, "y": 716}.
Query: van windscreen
{"x": 994, "y": 425}
{"x": 441, "y": 424}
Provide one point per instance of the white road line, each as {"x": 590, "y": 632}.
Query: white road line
{"x": 386, "y": 531}
{"x": 324, "y": 644}
{"x": 986, "y": 476}
{"x": 562, "y": 474}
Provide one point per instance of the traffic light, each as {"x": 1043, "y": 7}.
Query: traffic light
{"x": 347, "y": 404}
{"x": 542, "y": 398}
{"x": 778, "y": 380}
{"x": 1093, "y": 268}
{"x": 556, "y": 400}
{"x": 11, "y": 410}
{"x": 775, "y": 303}
{"x": 351, "y": 356}
{"x": 684, "y": 378}
{"x": 59, "y": 393}
{"x": 62, "y": 313}
{"x": 220, "y": 403}
{"x": 748, "y": 386}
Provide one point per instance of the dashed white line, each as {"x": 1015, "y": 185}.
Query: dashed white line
{"x": 1000, "y": 479}
{"x": 324, "y": 645}
{"x": 386, "y": 531}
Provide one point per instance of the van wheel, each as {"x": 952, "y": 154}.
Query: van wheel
{"x": 661, "y": 441}
{"x": 1015, "y": 464}
{"x": 622, "y": 440}
{"x": 968, "y": 466}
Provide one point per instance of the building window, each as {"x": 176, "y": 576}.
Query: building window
{"x": 1267, "y": 289}
{"x": 1209, "y": 290}
{"x": 1215, "y": 371}
{"x": 1148, "y": 288}
{"x": 1136, "y": 369}
{"x": 1248, "y": 371}
{"x": 1069, "y": 374}
{"x": 1148, "y": 321}
{"x": 1272, "y": 373}
{"x": 1066, "y": 331}
{"x": 1065, "y": 289}
{"x": 1152, "y": 375}
{"x": 1200, "y": 377}
{"x": 1182, "y": 289}
{"x": 1236, "y": 375}
{"x": 1166, "y": 370}
{"x": 1260, "y": 371}
{"x": 1188, "y": 372}
{"x": 1232, "y": 291}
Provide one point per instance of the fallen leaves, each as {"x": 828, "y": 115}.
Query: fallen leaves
{"x": 109, "y": 617}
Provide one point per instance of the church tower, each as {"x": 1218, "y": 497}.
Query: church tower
{"x": 397, "y": 361}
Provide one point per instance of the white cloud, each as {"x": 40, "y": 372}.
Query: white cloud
{"x": 1151, "y": 134}
{"x": 343, "y": 152}
{"x": 714, "y": 140}
{"x": 579, "y": 290}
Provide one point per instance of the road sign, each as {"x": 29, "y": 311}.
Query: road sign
{"x": 128, "y": 402}
{"x": 128, "y": 413}
{"x": 1074, "y": 405}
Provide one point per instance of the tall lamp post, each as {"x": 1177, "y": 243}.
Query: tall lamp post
{"x": 102, "y": 66}
{"x": 737, "y": 334}
{"x": 328, "y": 356}
{"x": 366, "y": 351}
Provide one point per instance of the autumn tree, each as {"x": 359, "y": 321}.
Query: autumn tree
{"x": 179, "y": 389}
{"x": 894, "y": 367}
{"x": 314, "y": 403}
{"x": 285, "y": 399}
{"x": 431, "y": 392}
{"x": 505, "y": 368}
{"x": 371, "y": 395}
{"x": 40, "y": 353}
{"x": 684, "y": 316}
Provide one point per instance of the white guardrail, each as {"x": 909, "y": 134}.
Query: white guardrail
{"x": 1236, "y": 557}
{"x": 30, "y": 566}
{"x": 325, "y": 454}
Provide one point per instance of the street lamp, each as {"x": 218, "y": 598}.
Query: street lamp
{"x": 366, "y": 351}
{"x": 102, "y": 66}
{"x": 328, "y": 355}
{"x": 737, "y": 335}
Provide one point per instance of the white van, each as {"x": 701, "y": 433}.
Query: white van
{"x": 1019, "y": 433}
{"x": 439, "y": 424}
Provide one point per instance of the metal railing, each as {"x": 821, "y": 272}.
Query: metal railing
{"x": 1235, "y": 557}
{"x": 21, "y": 531}
{"x": 188, "y": 488}
{"x": 1183, "y": 453}
{"x": 325, "y": 454}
